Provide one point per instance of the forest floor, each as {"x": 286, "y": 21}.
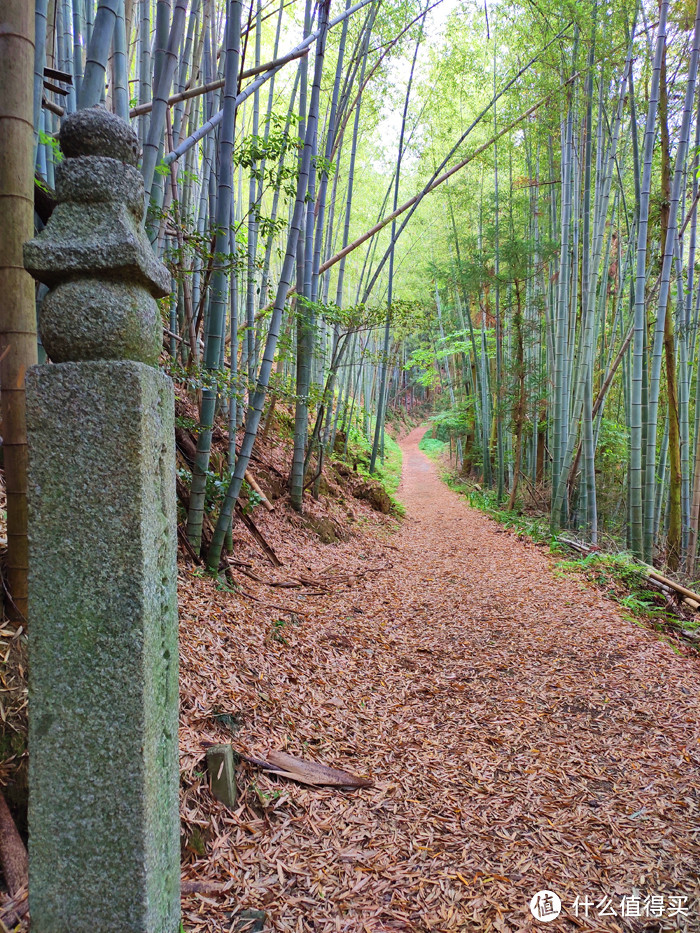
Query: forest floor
{"x": 520, "y": 734}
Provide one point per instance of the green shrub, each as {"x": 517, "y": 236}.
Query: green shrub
{"x": 432, "y": 446}
{"x": 387, "y": 473}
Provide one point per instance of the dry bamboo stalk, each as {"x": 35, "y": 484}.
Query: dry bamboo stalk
{"x": 253, "y": 485}
{"x": 215, "y": 85}
{"x": 678, "y": 587}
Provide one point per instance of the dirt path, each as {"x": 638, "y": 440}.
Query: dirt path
{"x": 576, "y": 731}
{"x": 521, "y": 734}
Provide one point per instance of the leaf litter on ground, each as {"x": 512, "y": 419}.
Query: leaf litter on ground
{"x": 517, "y": 737}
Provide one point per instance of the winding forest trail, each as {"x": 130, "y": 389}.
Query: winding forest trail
{"x": 521, "y": 735}
{"x": 568, "y": 736}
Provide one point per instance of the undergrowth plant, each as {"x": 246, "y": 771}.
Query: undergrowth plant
{"x": 387, "y": 472}
{"x": 619, "y": 576}
{"x": 431, "y": 446}
{"x": 622, "y": 579}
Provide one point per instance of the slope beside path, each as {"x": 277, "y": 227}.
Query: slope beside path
{"x": 521, "y": 734}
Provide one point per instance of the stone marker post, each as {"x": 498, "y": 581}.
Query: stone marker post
{"x": 103, "y": 691}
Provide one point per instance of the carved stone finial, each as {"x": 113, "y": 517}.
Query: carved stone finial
{"x": 94, "y": 253}
{"x": 97, "y": 132}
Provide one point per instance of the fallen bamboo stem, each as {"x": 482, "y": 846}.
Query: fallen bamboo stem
{"x": 678, "y": 587}
{"x": 255, "y": 531}
{"x": 202, "y": 887}
{"x": 254, "y": 486}
{"x": 215, "y": 85}
{"x": 14, "y": 910}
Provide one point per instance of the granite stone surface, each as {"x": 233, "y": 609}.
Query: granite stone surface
{"x": 104, "y": 824}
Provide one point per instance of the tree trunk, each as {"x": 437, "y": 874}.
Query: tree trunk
{"x": 13, "y": 853}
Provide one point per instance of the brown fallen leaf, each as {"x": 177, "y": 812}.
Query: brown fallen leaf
{"x": 307, "y": 772}
{"x": 504, "y": 665}
{"x": 202, "y": 887}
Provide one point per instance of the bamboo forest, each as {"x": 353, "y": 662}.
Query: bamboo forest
{"x": 350, "y": 419}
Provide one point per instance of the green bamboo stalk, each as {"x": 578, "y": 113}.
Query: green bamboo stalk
{"x": 662, "y": 325}
{"x": 219, "y": 289}
{"x": 254, "y": 85}
{"x": 304, "y": 315}
{"x": 165, "y": 62}
{"x": 637, "y": 538}
{"x": 254, "y": 412}
{"x": 120, "y": 90}
{"x": 381, "y": 409}
{"x": 93, "y": 83}
{"x": 144, "y": 65}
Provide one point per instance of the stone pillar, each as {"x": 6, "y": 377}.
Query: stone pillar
{"x": 104, "y": 847}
